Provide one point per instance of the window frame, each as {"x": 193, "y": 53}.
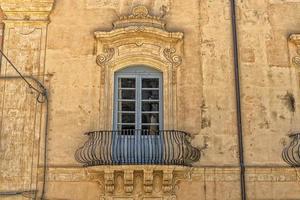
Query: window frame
{"x": 137, "y": 72}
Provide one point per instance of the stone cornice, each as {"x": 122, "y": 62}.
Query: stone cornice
{"x": 254, "y": 174}
{"x": 28, "y": 11}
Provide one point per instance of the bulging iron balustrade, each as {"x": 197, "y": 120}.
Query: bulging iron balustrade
{"x": 167, "y": 147}
{"x": 291, "y": 154}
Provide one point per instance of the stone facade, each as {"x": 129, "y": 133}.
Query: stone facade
{"x": 67, "y": 45}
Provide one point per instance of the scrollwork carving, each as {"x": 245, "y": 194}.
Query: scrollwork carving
{"x": 295, "y": 38}
{"x": 107, "y": 55}
{"x": 170, "y": 55}
{"x": 102, "y": 59}
{"x": 175, "y": 60}
{"x": 296, "y": 60}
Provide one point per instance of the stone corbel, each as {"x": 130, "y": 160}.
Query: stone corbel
{"x": 148, "y": 181}
{"x": 168, "y": 185}
{"x": 109, "y": 181}
{"x": 128, "y": 181}
{"x": 295, "y": 38}
{"x": 174, "y": 59}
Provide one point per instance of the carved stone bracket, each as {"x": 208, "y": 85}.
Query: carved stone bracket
{"x": 168, "y": 181}
{"x": 295, "y": 38}
{"x": 109, "y": 181}
{"x": 148, "y": 181}
{"x": 138, "y": 180}
{"x": 128, "y": 181}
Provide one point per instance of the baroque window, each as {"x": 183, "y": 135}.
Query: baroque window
{"x": 138, "y": 40}
{"x": 138, "y": 99}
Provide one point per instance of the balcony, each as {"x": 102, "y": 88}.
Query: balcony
{"x": 291, "y": 154}
{"x": 137, "y": 147}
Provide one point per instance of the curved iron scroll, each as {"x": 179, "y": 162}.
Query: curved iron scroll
{"x": 165, "y": 147}
{"x": 291, "y": 154}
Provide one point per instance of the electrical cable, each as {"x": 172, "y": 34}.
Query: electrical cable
{"x": 42, "y": 97}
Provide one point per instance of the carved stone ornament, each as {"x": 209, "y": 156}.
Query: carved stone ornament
{"x": 139, "y": 39}
{"x": 295, "y": 38}
{"x": 137, "y": 182}
{"x": 27, "y": 10}
{"x": 103, "y": 58}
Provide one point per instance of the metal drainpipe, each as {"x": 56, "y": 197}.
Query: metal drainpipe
{"x": 238, "y": 100}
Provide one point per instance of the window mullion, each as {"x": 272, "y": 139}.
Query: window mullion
{"x": 139, "y": 97}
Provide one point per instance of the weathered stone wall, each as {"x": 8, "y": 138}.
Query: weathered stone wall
{"x": 267, "y": 77}
{"x": 71, "y": 61}
{"x": 1, "y": 31}
{"x": 205, "y": 90}
{"x": 21, "y": 118}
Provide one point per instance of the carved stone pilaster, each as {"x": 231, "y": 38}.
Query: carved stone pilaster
{"x": 295, "y": 38}
{"x": 148, "y": 181}
{"x": 128, "y": 181}
{"x": 24, "y": 42}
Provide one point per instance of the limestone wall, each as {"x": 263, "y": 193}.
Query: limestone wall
{"x": 63, "y": 53}
{"x": 206, "y": 105}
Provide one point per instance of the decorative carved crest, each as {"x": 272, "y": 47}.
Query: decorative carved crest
{"x": 140, "y": 15}
{"x": 148, "y": 35}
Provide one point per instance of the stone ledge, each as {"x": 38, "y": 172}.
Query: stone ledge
{"x": 20, "y": 10}
{"x": 75, "y": 174}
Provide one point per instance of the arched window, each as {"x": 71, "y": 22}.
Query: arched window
{"x": 138, "y": 101}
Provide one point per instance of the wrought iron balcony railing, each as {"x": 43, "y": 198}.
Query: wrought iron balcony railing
{"x": 137, "y": 147}
{"x": 291, "y": 154}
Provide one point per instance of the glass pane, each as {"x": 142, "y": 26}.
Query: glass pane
{"x": 150, "y": 94}
{"x": 150, "y": 106}
{"x": 126, "y": 82}
{"x": 126, "y": 106}
{"x": 150, "y": 83}
{"x": 126, "y": 118}
{"x": 152, "y": 129}
{"x": 150, "y": 118}
{"x": 125, "y": 127}
{"x": 127, "y": 94}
